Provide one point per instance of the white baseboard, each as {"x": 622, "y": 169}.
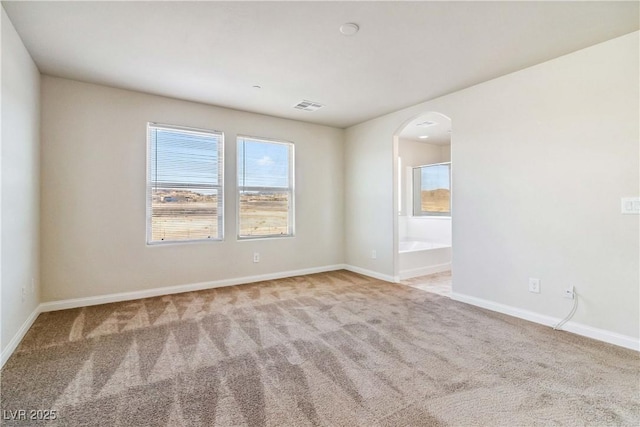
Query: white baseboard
{"x": 147, "y": 293}
{"x": 168, "y": 290}
{"x": 370, "y": 273}
{"x": 603, "y": 335}
{"x": 574, "y": 327}
{"x": 424, "y": 271}
{"x": 577, "y": 328}
{"x": 15, "y": 341}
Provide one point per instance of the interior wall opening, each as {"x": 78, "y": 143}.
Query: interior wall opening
{"x": 423, "y": 229}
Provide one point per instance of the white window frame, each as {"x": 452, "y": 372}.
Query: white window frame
{"x": 291, "y": 189}
{"x": 428, "y": 214}
{"x": 219, "y": 187}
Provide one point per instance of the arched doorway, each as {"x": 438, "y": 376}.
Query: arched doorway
{"x": 422, "y": 202}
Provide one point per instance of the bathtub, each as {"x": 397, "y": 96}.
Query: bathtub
{"x": 416, "y": 245}
{"x": 419, "y": 258}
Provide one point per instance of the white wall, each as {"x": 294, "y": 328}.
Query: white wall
{"x": 93, "y": 204}
{"x": 541, "y": 158}
{"x": 20, "y": 183}
{"x": 428, "y": 229}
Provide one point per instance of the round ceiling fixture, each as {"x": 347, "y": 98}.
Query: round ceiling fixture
{"x": 349, "y": 29}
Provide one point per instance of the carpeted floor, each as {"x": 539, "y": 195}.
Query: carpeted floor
{"x": 331, "y": 349}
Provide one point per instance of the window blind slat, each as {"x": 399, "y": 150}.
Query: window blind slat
{"x": 184, "y": 184}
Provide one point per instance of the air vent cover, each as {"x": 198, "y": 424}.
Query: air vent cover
{"x": 305, "y": 105}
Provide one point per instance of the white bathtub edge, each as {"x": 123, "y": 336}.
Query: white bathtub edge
{"x": 424, "y": 271}
{"x": 430, "y": 246}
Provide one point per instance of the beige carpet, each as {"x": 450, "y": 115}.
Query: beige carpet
{"x": 333, "y": 349}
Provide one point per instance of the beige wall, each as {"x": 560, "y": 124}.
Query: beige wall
{"x": 445, "y": 153}
{"x": 93, "y": 204}
{"x": 415, "y": 153}
{"x": 541, "y": 158}
{"x": 20, "y": 183}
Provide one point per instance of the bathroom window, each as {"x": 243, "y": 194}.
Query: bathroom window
{"x": 432, "y": 190}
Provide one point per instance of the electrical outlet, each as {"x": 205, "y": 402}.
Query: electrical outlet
{"x": 534, "y": 285}
{"x": 569, "y": 293}
{"x": 374, "y": 255}
{"x": 256, "y": 257}
{"x": 630, "y": 205}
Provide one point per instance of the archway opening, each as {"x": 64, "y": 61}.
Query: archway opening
{"x": 422, "y": 203}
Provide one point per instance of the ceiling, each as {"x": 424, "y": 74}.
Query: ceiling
{"x": 215, "y": 52}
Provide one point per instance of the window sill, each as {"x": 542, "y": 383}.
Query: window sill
{"x": 254, "y": 238}
{"x": 429, "y": 217}
{"x": 182, "y": 242}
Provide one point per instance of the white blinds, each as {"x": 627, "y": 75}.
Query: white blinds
{"x": 184, "y": 191}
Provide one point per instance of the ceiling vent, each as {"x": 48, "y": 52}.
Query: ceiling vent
{"x": 426, "y": 124}
{"x": 305, "y": 105}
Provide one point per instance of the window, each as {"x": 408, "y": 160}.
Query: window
{"x": 184, "y": 184}
{"x": 432, "y": 190}
{"x": 265, "y": 188}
